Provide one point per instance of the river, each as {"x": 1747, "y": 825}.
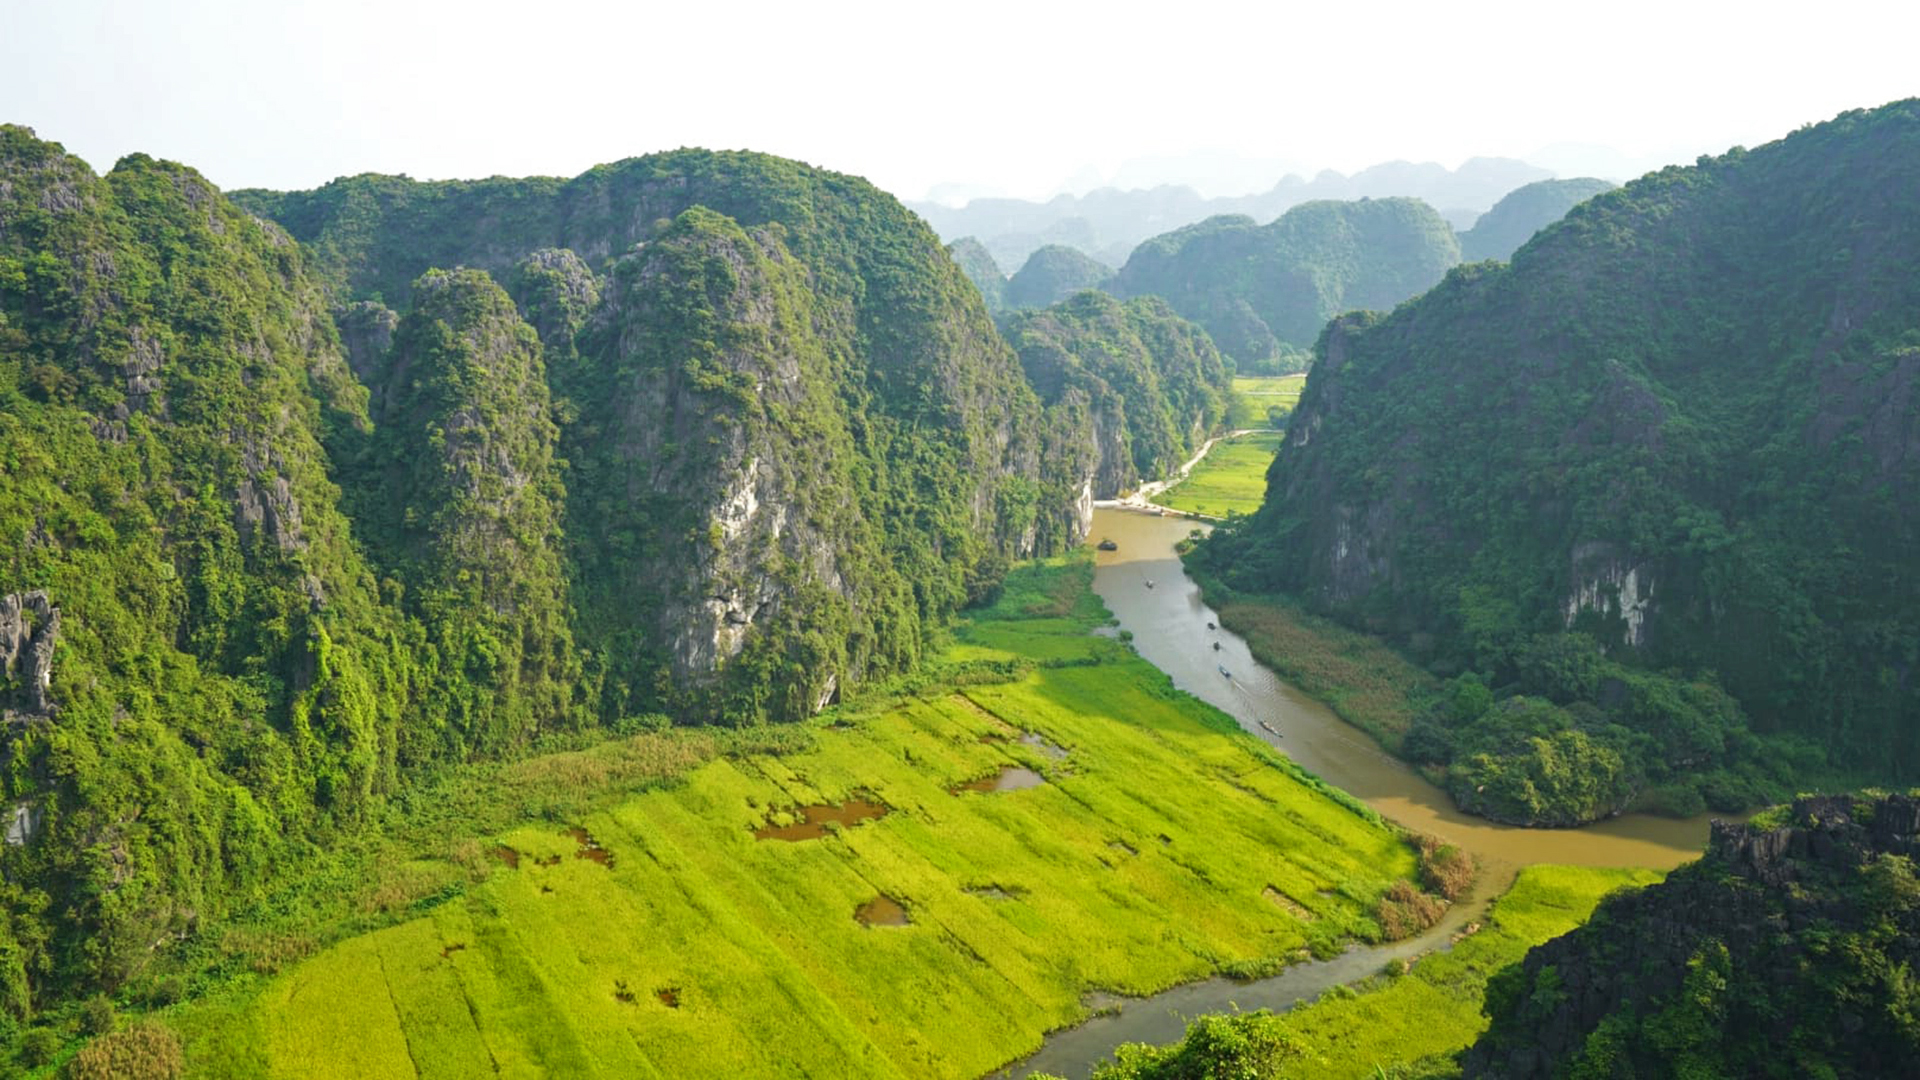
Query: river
{"x": 1169, "y": 626}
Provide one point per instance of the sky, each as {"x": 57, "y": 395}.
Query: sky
{"x": 1023, "y": 98}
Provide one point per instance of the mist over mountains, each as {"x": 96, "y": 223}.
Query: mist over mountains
{"x": 1107, "y": 223}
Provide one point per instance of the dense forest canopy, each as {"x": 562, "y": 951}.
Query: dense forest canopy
{"x": 1499, "y": 232}
{"x": 1142, "y": 386}
{"x": 1264, "y": 291}
{"x": 1670, "y": 449}
{"x": 431, "y": 472}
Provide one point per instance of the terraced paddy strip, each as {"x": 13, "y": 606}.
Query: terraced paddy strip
{"x": 1231, "y": 479}
{"x": 1145, "y": 859}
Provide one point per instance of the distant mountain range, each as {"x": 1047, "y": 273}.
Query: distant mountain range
{"x": 1108, "y": 223}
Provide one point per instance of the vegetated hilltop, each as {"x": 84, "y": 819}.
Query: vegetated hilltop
{"x": 1524, "y": 211}
{"x": 708, "y": 434}
{"x": 795, "y": 441}
{"x": 1785, "y": 952}
{"x": 1264, "y": 291}
{"x": 977, "y": 263}
{"x": 1676, "y": 435}
{"x": 1136, "y": 388}
{"x": 1052, "y": 274}
{"x": 198, "y": 657}
{"x": 1108, "y": 223}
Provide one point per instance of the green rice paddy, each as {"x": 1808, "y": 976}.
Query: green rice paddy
{"x": 1431, "y": 1009}
{"x": 1253, "y": 395}
{"x": 1231, "y": 479}
{"x": 652, "y": 934}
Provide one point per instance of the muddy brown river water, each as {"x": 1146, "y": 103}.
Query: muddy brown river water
{"x": 1169, "y": 624}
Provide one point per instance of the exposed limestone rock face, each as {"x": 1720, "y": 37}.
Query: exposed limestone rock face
{"x": 556, "y": 292}
{"x": 29, "y": 629}
{"x": 732, "y": 462}
{"x": 1607, "y": 583}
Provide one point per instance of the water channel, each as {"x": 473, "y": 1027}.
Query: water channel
{"x": 1169, "y": 623}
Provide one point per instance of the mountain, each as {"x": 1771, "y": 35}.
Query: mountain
{"x": 839, "y": 360}
{"x": 1525, "y": 211}
{"x": 1264, "y": 291}
{"x": 1667, "y": 449}
{"x": 1141, "y": 386}
{"x": 1785, "y": 951}
{"x": 977, "y": 263}
{"x": 434, "y": 472}
{"x": 200, "y": 668}
{"x": 1051, "y": 275}
{"x": 1109, "y": 222}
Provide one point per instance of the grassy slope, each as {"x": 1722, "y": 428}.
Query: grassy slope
{"x": 1140, "y": 864}
{"x": 1433, "y": 1009}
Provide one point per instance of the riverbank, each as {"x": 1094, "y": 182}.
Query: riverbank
{"x": 1405, "y": 1014}
{"x": 1144, "y": 583}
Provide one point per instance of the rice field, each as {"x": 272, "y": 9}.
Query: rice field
{"x": 1231, "y": 479}
{"x": 1433, "y": 1008}
{"x": 658, "y": 936}
{"x": 1253, "y": 395}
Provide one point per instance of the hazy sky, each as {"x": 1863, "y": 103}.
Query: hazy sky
{"x": 1018, "y": 96}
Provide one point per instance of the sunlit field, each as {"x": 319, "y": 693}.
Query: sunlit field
{"x": 659, "y": 937}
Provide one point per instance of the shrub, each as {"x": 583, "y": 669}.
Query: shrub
{"x": 146, "y": 1051}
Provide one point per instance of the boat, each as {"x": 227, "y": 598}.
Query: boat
{"x": 1108, "y": 545}
{"x": 1216, "y": 646}
{"x": 1210, "y": 626}
{"x": 1149, "y": 583}
{"x": 1271, "y": 730}
{"x": 1224, "y": 671}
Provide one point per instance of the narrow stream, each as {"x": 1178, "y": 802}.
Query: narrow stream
{"x": 1169, "y": 625}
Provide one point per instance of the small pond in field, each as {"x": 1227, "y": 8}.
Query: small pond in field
{"x": 815, "y": 819}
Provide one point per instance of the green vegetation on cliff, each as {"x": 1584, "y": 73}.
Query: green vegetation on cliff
{"x": 1650, "y": 469}
{"x": 1052, "y": 274}
{"x": 1264, "y": 291}
{"x": 1141, "y": 387}
{"x": 1787, "y": 951}
{"x": 1523, "y": 212}
{"x": 797, "y": 443}
{"x": 200, "y": 674}
{"x": 293, "y": 523}
{"x": 977, "y": 263}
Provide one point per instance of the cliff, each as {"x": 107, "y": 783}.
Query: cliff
{"x": 1143, "y": 386}
{"x": 1668, "y": 437}
{"x": 1264, "y": 291}
{"x": 1782, "y": 952}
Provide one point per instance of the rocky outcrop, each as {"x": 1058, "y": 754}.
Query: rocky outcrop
{"x": 1136, "y": 387}
{"x": 29, "y": 629}
{"x": 366, "y": 332}
{"x": 1793, "y": 924}
{"x": 556, "y": 292}
{"x": 729, "y": 453}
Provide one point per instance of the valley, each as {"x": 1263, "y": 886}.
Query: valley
{"x": 694, "y": 618}
{"x": 1134, "y": 858}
